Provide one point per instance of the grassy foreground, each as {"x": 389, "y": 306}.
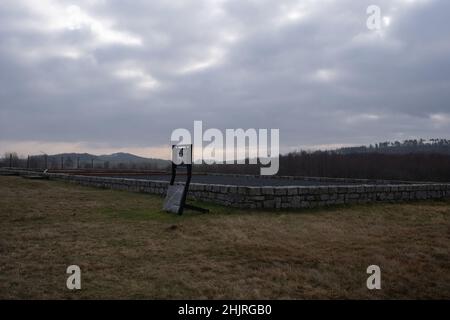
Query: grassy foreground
{"x": 128, "y": 248}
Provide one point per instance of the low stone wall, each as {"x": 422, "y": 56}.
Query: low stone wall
{"x": 318, "y": 179}
{"x": 275, "y": 197}
{"x": 314, "y": 196}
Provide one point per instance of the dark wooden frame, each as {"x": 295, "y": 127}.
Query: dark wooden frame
{"x": 183, "y": 204}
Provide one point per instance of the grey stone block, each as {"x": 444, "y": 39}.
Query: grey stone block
{"x": 267, "y": 191}
{"x": 280, "y": 191}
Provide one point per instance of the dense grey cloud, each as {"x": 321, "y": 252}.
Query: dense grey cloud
{"x": 115, "y": 75}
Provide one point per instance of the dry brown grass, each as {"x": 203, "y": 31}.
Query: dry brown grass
{"x": 127, "y": 248}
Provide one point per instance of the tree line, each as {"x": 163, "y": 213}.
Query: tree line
{"x": 402, "y": 147}
{"x": 412, "y": 167}
{"x": 52, "y": 162}
{"x": 415, "y": 160}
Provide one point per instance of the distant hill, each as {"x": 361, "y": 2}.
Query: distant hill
{"x": 115, "y": 160}
{"x": 125, "y": 157}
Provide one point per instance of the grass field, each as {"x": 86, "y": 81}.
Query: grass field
{"x": 128, "y": 248}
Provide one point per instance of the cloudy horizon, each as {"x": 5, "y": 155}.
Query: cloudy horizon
{"x": 104, "y": 76}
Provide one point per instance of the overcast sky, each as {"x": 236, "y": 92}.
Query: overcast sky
{"x": 103, "y": 76}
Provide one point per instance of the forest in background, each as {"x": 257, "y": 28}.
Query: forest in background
{"x": 413, "y": 160}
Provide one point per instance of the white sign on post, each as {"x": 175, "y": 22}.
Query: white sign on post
{"x": 182, "y": 154}
{"x": 176, "y": 193}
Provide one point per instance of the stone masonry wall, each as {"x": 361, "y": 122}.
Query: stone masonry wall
{"x": 273, "y": 197}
